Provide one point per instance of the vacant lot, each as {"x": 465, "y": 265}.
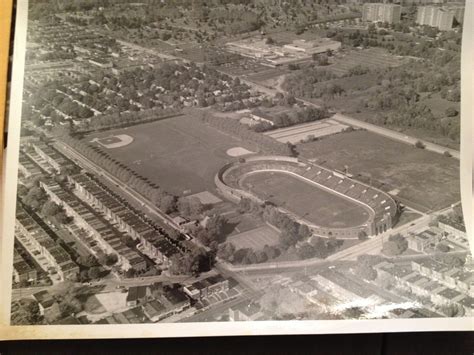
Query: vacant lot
{"x": 180, "y": 154}
{"x": 306, "y": 200}
{"x": 255, "y": 239}
{"x": 425, "y": 180}
{"x": 372, "y": 58}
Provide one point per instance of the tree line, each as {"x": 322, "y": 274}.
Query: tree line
{"x": 233, "y": 127}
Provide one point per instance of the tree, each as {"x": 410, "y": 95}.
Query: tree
{"x": 271, "y": 252}
{"x": 111, "y": 259}
{"x": 362, "y": 235}
{"x": 391, "y": 248}
{"x": 442, "y": 247}
{"x": 453, "y": 261}
{"x": 191, "y": 262}
{"x": 27, "y": 313}
{"x": 304, "y": 231}
{"x": 130, "y": 273}
{"x": 305, "y": 251}
{"x": 261, "y": 256}
{"x": 70, "y": 305}
{"x": 451, "y": 112}
{"x": 226, "y": 251}
{"x": 420, "y": 145}
{"x": 322, "y": 60}
{"x": 216, "y": 227}
{"x": 50, "y": 209}
{"x": 87, "y": 261}
{"x": 168, "y": 203}
{"x": 35, "y": 198}
{"x": 287, "y": 239}
{"x": 366, "y": 272}
{"x": 94, "y": 272}
{"x": 190, "y": 207}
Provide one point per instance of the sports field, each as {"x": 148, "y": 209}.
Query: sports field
{"x": 256, "y": 238}
{"x": 179, "y": 154}
{"x": 306, "y": 200}
{"x": 421, "y": 179}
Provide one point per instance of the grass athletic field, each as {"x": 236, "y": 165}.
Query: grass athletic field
{"x": 425, "y": 180}
{"x": 256, "y": 238}
{"x": 306, "y": 200}
{"x": 180, "y": 154}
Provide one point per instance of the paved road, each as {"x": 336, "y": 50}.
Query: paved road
{"x": 146, "y": 204}
{"x": 406, "y": 258}
{"x": 357, "y": 123}
{"x": 371, "y": 246}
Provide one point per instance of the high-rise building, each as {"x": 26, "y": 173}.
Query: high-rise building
{"x": 381, "y": 13}
{"x": 445, "y": 20}
{"x": 441, "y": 18}
{"x": 427, "y": 15}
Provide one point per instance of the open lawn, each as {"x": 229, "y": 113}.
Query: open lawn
{"x": 256, "y": 238}
{"x": 425, "y": 180}
{"x": 371, "y": 58}
{"x": 179, "y": 154}
{"x": 93, "y": 306}
{"x": 306, "y": 200}
{"x": 243, "y": 222}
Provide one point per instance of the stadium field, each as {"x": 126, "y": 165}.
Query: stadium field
{"x": 416, "y": 177}
{"x": 180, "y": 154}
{"x": 306, "y": 200}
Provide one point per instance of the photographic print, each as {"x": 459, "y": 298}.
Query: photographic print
{"x": 194, "y": 161}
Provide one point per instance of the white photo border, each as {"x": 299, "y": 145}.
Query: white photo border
{"x": 208, "y": 329}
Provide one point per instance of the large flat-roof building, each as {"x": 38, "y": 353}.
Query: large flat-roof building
{"x": 423, "y": 240}
{"x": 274, "y": 55}
{"x": 379, "y": 12}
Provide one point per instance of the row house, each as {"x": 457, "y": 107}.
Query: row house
{"x": 450, "y": 276}
{"x": 48, "y": 306}
{"x": 107, "y": 237}
{"x": 158, "y": 301}
{"x": 207, "y": 287}
{"x": 51, "y": 155}
{"x": 37, "y": 242}
{"x": 22, "y": 271}
{"x": 151, "y": 241}
{"x": 27, "y": 167}
{"x": 423, "y": 286}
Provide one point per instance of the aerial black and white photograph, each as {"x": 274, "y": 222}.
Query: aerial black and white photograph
{"x": 239, "y": 160}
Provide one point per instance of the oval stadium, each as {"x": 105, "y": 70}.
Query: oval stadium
{"x": 329, "y": 202}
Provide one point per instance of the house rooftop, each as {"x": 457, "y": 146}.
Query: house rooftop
{"x": 136, "y": 292}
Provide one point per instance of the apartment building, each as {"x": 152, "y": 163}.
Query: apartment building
{"x": 379, "y": 12}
